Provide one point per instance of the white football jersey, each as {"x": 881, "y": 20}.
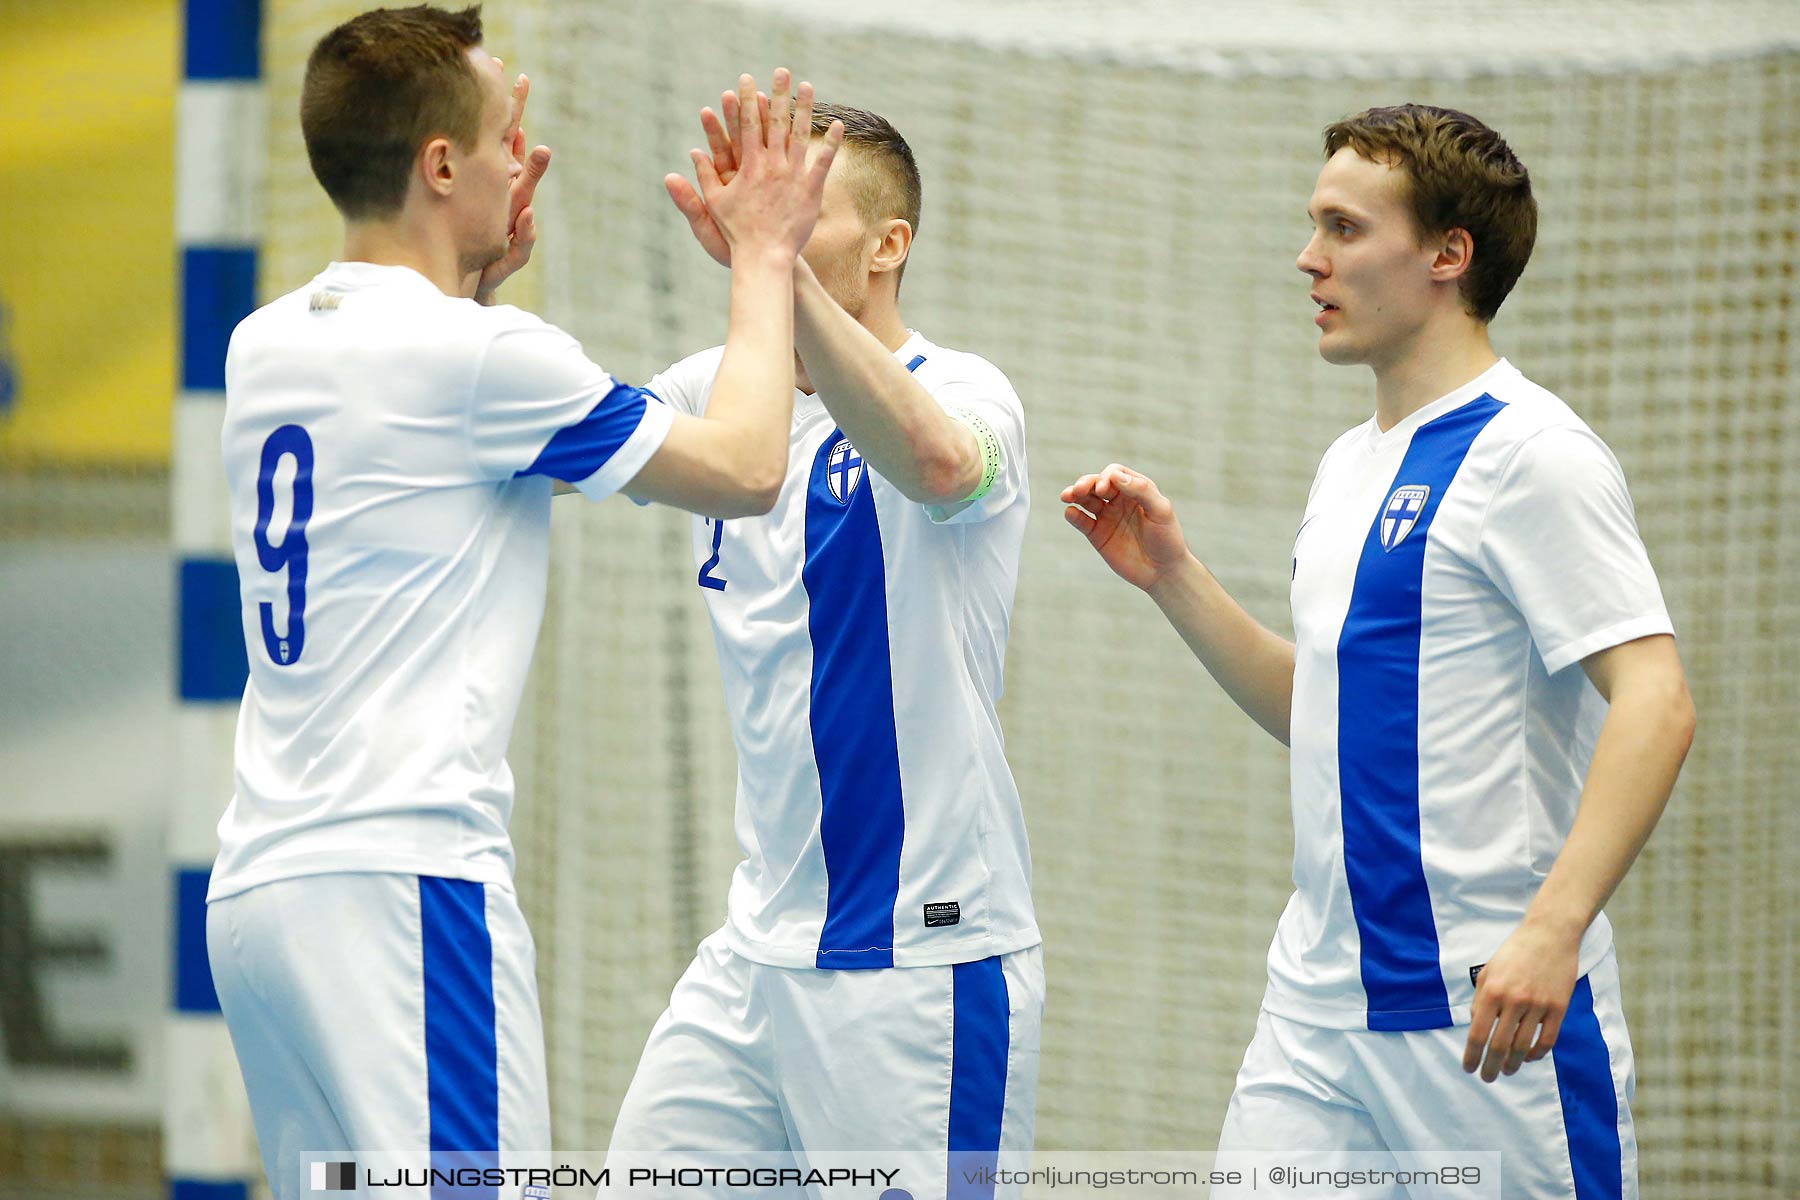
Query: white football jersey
{"x": 861, "y": 638}
{"x": 389, "y": 451}
{"x": 1448, "y": 577}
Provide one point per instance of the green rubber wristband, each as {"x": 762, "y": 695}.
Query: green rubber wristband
{"x": 990, "y": 453}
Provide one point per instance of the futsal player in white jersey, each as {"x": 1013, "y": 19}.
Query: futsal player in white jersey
{"x": 1483, "y": 701}
{"x": 878, "y": 982}
{"x": 390, "y": 444}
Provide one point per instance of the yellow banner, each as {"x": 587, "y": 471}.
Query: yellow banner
{"x": 87, "y": 243}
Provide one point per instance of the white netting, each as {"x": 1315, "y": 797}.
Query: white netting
{"x": 1114, "y": 197}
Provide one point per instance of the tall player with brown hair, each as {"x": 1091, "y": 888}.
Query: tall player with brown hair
{"x": 1483, "y": 701}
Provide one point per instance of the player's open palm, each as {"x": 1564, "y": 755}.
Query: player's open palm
{"x": 521, "y": 217}
{"x": 1129, "y": 521}
{"x": 763, "y": 185}
{"x": 719, "y": 134}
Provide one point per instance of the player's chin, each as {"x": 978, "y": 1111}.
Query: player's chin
{"x": 487, "y": 256}
{"x": 1338, "y": 350}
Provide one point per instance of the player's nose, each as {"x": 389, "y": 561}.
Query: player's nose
{"x": 1310, "y": 260}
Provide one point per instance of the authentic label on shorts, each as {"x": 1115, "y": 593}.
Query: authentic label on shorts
{"x": 942, "y": 914}
{"x": 1475, "y": 975}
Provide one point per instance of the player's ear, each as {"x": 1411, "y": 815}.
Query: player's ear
{"x": 436, "y": 170}
{"x": 894, "y": 246}
{"x": 1455, "y": 253}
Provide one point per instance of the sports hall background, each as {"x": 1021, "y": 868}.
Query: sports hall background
{"x": 1114, "y": 196}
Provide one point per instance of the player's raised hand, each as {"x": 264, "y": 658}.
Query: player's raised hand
{"x": 521, "y": 219}
{"x": 764, "y": 175}
{"x": 1129, "y": 521}
{"x": 1521, "y": 996}
{"x": 724, "y": 158}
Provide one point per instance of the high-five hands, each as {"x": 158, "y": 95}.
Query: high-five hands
{"x": 757, "y": 147}
{"x": 1130, "y": 522}
{"x": 521, "y": 220}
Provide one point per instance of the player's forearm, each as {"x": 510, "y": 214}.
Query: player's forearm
{"x": 753, "y": 395}
{"x": 894, "y": 423}
{"x": 1253, "y": 664}
{"x": 1642, "y": 744}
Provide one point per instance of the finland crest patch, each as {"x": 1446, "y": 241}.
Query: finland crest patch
{"x": 1402, "y": 513}
{"x": 843, "y": 470}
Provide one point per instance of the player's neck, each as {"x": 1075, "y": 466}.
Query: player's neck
{"x": 1438, "y": 362}
{"x": 881, "y": 319}
{"x": 398, "y": 243}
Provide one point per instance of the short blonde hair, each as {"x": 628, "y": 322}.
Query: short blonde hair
{"x": 886, "y": 179}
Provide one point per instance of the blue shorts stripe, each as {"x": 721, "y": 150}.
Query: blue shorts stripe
{"x": 218, "y": 289}
{"x": 194, "y": 991}
{"x": 207, "y": 1189}
{"x": 223, "y": 39}
{"x": 461, "y": 1051}
{"x": 1590, "y": 1106}
{"x": 1378, "y": 734}
{"x": 979, "y": 1047}
{"x": 578, "y": 450}
{"x": 855, "y": 745}
{"x": 212, "y": 663}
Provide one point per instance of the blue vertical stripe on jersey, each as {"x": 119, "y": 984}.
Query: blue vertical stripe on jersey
{"x": 194, "y": 991}
{"x": 578, "y": 450}
{"x": 1590, "y": 1107}
{"x": 211, "y": 661}
{"x": 462, "y": 1068}
{"x": 978, "y": 1049}
{"x": 1378, "y": 742}
{"x": 862, "y": 820}
{"x": 218, "y": 289}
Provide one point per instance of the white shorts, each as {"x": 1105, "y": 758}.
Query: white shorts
{"x": 382, "y": 1013}
{"x": 1562, "y": 1125}
{"x": 781, "y": 1060}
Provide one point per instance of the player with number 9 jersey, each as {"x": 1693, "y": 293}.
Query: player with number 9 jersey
{"x": 391, "y": 529}
{"x": 390, "y": 439}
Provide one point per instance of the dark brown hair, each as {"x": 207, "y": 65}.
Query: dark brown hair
{"x": 889, "y": 186}
{"x": 1460, "y": 175}
{"x": 377, "y": 88}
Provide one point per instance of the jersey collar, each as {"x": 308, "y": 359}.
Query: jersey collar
{"x": 345, "y": 276}
{"x": 1377, "y": 441}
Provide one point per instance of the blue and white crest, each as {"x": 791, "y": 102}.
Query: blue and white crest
{"x": 1402, "y": 513}
{"x": 843, "y": 470}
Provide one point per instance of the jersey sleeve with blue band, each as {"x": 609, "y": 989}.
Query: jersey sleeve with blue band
{"x": 577, "y": 451}
{"x": 541, "y": 407}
